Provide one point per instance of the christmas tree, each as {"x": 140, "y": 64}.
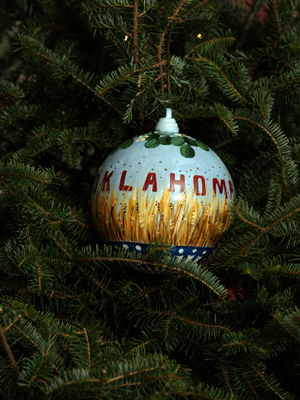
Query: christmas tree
{"x": 77, "y": 319}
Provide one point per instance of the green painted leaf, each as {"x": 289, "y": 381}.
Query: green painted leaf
{"x": 152, "y": 136}
{"x": 116, "y": 149}
{"x": 165, "y": 140}
{"x": 127, "y": 144}
{"x": 190, "y": 141}
{"x": 201, "y": 145}
{"x": 152, "y": 144}
{"x": 186, "y": 151}
{"x": 124, "y": 145}
{"x": 177, "y": 141}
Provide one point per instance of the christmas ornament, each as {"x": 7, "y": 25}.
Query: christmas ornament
{"x": 163, "y": 187}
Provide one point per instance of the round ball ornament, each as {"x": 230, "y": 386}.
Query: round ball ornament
{"x": 163, "y": 187}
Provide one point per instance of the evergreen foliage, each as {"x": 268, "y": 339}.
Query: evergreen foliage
{"x": 76, "y": 319}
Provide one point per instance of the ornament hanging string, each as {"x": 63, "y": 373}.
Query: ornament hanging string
{"x": 169, "y": 60}
{"x": 136, "y": 49}
{"x": 161, "y": 40}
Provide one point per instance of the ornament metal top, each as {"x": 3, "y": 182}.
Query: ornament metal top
{"x": 163, "y": 186}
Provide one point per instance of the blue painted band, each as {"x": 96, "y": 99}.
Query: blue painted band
{"x": 193, "y": 253}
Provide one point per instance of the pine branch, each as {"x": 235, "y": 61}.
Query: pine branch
{"x": 263, "y": 377}
{"x": 276, "y": 17}
{"x": 90, "y": 7}
{"x": 99, "y": 284}
{"x": 280, "y": 141}
{"x": 212, "y": 42}
{"x": 8, "y": 90}
{"x": 8, "y": 351}
{"x": 53, "y": 60}
{"x": 233, "y": 90}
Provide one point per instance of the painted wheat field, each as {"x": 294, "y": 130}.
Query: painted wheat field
{"x": 142, "y": 217}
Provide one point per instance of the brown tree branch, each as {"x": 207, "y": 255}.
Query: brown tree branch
{"x": 135, "y": 28}
{"x": 8, "y": 351}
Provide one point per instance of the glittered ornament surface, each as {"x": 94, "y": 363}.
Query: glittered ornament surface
{"x": 163, "y": 186}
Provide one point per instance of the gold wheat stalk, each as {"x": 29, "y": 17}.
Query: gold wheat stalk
{"x": 140, "y": 218}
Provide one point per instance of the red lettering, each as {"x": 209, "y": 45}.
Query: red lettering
{"x": 220, "y": 186}
{"x": 196, "y": 187}
{"x": 231, "y": 190}
{"x": 150, "y": 180}
{"x": 122, "y": 186}
{"x": 96, "y": 183}
{"x": 174, "y": 182}
{"x": 106, "y": 181}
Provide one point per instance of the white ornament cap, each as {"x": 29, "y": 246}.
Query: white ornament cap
{"x": 167, "y": 124}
